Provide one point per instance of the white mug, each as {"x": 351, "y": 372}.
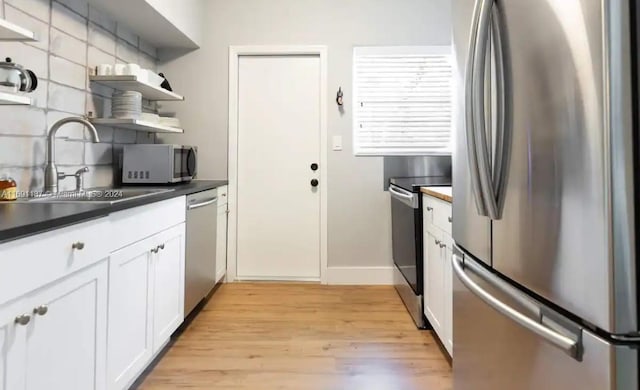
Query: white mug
{"x": 105, "y": 70}
{"x": 118, "y": 70}
{"x": 132, "y": 69}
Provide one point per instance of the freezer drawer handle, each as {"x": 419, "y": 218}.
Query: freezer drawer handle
{"x": 203, "y": 204}
{"x": 566, "y": 344}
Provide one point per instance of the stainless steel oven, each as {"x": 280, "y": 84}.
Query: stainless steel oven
{"x": 407, "y": 243}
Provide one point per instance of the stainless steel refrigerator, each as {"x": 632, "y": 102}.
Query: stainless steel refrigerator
{"x": 546, "y": 176}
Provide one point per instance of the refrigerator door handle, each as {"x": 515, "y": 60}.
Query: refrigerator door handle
{"x": 468, "y": 107}
{"x": 567, "y": 344}
{"x": 483, "y": 8}
{"x": 503, "y": 111}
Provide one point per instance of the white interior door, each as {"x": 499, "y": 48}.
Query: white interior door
{"x": 278, "y": 208}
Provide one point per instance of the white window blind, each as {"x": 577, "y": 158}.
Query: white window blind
{"x": 403, "y": 99}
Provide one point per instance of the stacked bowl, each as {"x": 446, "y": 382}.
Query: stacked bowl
{"x": 126, "y": 104}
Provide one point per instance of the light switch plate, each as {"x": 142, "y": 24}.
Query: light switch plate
{"x": 337, "y": 143}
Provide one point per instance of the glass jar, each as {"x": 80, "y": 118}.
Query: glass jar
{"x": 8, "y": 188}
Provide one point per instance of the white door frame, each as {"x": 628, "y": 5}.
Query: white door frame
{"x": 234, "y": 54}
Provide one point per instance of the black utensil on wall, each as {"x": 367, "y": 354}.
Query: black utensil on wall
{"x": 165, "y": 84}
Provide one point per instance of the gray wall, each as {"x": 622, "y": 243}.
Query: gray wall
{"x": 72, "y": 38}
{"x": 359, "y": 216}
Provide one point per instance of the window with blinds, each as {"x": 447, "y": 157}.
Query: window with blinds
{"x": 403, "y": 99}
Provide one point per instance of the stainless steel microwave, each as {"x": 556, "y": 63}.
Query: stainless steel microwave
{"x": 158, "y": 163}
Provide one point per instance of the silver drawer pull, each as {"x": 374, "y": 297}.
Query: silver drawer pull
{"x": 450, "y": 219}
{"x": 23, "y": 319}
{"x": 161, "y": 246}
{"x": 41, "y": 310}
{"x": 442, "y": 245}
{"x": 155, "y": 250}
{"x": 437, "y": 242}
{"x": 429, "y": 208}
{"x": 78, "y": 245}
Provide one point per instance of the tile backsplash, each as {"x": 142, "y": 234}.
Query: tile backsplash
{"x": 73, "y": 38}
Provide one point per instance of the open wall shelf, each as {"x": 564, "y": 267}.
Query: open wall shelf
{"x": 136, "y": 124}
{"x": 133, "y": 83}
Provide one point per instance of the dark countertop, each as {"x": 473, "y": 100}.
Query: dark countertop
{"x": 18, "y": 220}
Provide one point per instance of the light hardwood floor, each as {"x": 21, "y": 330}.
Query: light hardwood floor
{"x": 305, "y": 337}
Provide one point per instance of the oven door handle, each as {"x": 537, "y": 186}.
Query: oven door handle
{"x": 404, "y": 196}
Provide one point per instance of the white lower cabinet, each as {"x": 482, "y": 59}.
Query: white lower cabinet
{"x": 434, "y": 286}
{"x": 13, "y": 345}
{"x": 221, "y": 243}
{"x": 438, "y": 282}
{"x": 146, "y": 302}
{"x": 56, "y": 337}
{"x": 66, "y": 342}
{"x": 221, "y": 234}
{"x": 130, "y": 309}
{"x": 74, "y": 317}
{"x": 448, "y": 297}
{"x": 168, "y": 286}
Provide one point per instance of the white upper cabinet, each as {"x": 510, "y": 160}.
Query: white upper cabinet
{"x": 186, "y": 15}
{"x": 163, "y": 23}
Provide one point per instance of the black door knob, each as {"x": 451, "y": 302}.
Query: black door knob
{"x": 314, "y": 182}
{"x": 314, "y": 167}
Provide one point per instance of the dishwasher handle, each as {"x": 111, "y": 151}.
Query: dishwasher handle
{"x": 406, "y": 197}
{"x": 202, "y": 204}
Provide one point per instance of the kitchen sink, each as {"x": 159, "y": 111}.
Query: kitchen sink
{"x": 97, "y": 195}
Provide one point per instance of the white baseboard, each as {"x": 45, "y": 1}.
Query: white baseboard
{"x": 360, "y": 275}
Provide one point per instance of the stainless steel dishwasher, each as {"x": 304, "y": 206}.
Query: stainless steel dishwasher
{"x": 200, "y": 262}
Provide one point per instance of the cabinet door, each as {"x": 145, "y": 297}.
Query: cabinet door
{"x": 67, "y": 338}
{"x": 434, "y": 273}
{"x": 168, "y": 271}
{"x": 448, "y": 295}
{"x": 130, "y": 296}
{"x": 221, "y": 243}
{"x": 426, "y": 296}
{"x": 13, "y": 348}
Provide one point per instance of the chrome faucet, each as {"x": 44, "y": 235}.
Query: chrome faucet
{"x": 51, "y": 174}
{"x": 79, "y": 175}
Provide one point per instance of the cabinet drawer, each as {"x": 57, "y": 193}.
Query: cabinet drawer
{"x": 129, "y": 226}
{"x": 436, "y": 213}
{"x": 32, "y": 262}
